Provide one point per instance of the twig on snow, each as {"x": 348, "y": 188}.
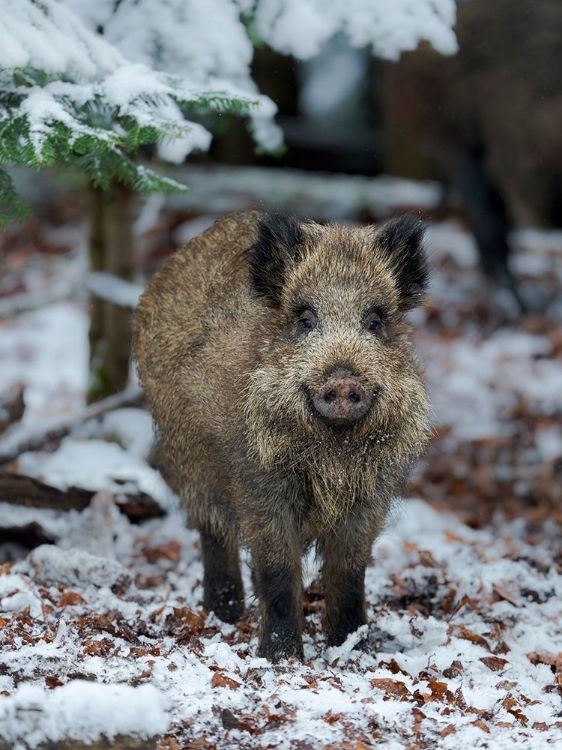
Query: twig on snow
{"x": 58, "y": 429}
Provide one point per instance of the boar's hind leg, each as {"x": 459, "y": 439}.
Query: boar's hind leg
{"x": 486, "y": 213}
{"x": 276, "y": 557}
{"x": 222, "y": 581}
{"x": 346, "y": 553}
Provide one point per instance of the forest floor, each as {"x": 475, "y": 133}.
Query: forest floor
{"x": 103, "y": 637}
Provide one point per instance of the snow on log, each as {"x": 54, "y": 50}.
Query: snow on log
{"x": 324, "y": 196}
{"x": 78, "y": 569}
{"x": 34, "y": 716}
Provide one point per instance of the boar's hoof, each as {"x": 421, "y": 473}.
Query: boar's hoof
{"x": 342, "y": 399}
{"x": 275, "y": 646}
{"x": 224, "y": 598}
{"x": 230, "y": 611}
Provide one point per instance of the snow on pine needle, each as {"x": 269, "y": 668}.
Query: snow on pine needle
{"x": 301, "y": 27}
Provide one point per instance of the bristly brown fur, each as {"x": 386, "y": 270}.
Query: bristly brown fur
{"x": 229, "y": 379}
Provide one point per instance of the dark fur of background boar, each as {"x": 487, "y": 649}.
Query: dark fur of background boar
{"x": 488, "y": 120}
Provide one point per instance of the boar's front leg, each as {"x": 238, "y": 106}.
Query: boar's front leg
{"x": 279, "y": 588}
{"x": 276, "y": 557}
{"x": 346, "y": 552}
{"x": 222, "y": 582}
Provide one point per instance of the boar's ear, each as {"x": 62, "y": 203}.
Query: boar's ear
{"x": 401, "y": 241}
{"x": 279, "y": 239}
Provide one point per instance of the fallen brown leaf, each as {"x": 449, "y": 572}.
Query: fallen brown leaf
{"x": 184, "y": 623}
{"x": 394, "y": 687}
{"x": 536, "y": 657}
{"x": 331, "y": 718}
{"x": 448, "y": 600}
{"x": 102, "y": 647}
{"x": 427, "y": 559}
{"x": 52, "y": 682}
{"x": 170, "y": 550}
{"x": 69, "y": 598}
{"x": 453, "y": 670}
{"x": 510, "y": 592}
{"x": 276, "y": 717}
{"x": 481, "y": 725}
{"x": 440, "y": 691}
{"x": 222, "y": 680}
{"x": 168, "y": 743}
{"x": 494, "y": 663}
{"x": 393, "y": 667}
{"x": 461, "y": 631}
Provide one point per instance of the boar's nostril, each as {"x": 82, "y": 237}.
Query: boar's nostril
{"x": 342, "y": 399}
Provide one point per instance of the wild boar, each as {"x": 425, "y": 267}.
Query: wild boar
{"x": 488, "y": 119}
{"x": 277, "y": 365}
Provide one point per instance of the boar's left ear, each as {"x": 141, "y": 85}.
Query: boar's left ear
{"x": 279, "y": 240}
{"x": 401, "y": 240}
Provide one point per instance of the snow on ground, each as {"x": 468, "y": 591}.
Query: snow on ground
{"x": 103, "y": 632}
{"x": 464, "y": 628}
{"x": 46, "y": 350}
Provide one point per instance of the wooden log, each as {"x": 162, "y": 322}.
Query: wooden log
{"x": 18, "y": 489}
{"x": 117, "y": 743}
{"x": 29, "y": 536}
{"x": 12, "y": 407}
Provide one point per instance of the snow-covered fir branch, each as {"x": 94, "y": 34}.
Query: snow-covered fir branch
{"x": 86, "y": 84}
{"x": 301, "y": 27}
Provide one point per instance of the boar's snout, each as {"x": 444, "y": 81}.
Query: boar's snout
{"x": 342, "y": 399}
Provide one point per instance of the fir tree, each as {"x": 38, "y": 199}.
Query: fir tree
{"x": 69, "y": 98}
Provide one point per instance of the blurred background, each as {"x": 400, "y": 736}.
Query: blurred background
{"x": 468, "y": 140}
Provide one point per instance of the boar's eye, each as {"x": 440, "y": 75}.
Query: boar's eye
{"x": 374, "y": 322}
{"x": 307, "y": 321}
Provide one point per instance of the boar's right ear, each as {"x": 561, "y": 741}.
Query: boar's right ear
{"x": 279, "y": 239}
{"x": 401, "y": 240}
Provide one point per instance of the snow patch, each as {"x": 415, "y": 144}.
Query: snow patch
{"x": 74, "y": 567}
{"x": 81, "y": 710}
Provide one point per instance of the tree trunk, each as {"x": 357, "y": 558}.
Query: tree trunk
{"x": 120, "y": 261}
{"x": 401, "y": 127}
{"x": 98, "y": 252}
{"x": 112, "y": 249}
